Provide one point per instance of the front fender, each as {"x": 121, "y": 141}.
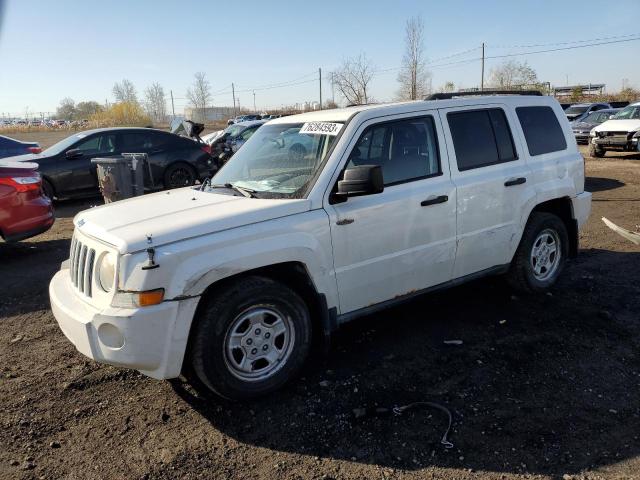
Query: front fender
{"x": 188, "y": 268}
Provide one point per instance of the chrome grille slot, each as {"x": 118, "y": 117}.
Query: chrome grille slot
{"x": 82, "y": 259}
{"x": 88, "y": 277}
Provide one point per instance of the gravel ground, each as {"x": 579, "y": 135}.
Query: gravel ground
{"x": 541, "y": 386}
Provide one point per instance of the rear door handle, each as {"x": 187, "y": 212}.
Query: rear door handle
{"x": 434, "y": 200}
{"x": 515, "y": 181}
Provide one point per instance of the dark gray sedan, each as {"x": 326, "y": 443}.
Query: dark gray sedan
{"x": 582, "y": 128}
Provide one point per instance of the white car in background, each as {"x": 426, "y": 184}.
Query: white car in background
{"x": 210, "y": 137}
{"x": 620, "y": 134}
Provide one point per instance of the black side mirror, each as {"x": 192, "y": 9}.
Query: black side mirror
{"x": 361, "y": 180}
{"x": 73, "y": 153}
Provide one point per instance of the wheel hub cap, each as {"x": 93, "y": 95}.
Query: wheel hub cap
{"x": 545, "y": 254}
{"x": 258, "y": 343}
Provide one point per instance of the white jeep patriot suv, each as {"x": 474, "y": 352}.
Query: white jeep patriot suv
{"x": 320, "y": 218}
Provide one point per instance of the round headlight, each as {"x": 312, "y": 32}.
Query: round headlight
{"x": 106, "y": 271}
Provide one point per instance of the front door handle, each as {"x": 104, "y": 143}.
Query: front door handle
{"x": 515, "y": 181}
{"x": 434, "y": 200}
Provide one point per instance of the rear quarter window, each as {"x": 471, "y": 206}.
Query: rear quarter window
{"x": 541, "y": 130}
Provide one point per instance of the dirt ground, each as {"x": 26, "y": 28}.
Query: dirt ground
{"x": 541, "y": 387}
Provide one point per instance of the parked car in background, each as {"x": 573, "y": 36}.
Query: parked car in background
{"x": 24, "y": 209}
{"x": 243, "y": 275}
{"x": 233, "y": 137}
{"x": 620, "y": 104}
{"x": 578, "y": 111}
{"x": 10, "y": 147}
{"x": 582, "y": 128}
{"x": 621, "y": 133}
{"x": 210, "y": 137}
{"x": 565, "y": 105}
{"x": 244, "y": 118}
{"x": 67, "y": 170}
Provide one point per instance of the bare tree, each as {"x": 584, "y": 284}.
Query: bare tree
{"x": 86, "y": 109}
{"x": 155, "y": 102}
{"x": 414, "y": 77}
{"x": 199, "y": 94}
{"x": 352, "y": 79}
{"x": 125, "y": 92}
{"x": 67, "y": 109}
{"x": 513, "y": 75}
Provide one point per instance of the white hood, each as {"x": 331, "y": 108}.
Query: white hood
{"x": 177, "y": 215}
{"x": 618, "y": 126}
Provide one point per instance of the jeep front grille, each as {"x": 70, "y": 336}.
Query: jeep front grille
{"x": 81, "y": 259}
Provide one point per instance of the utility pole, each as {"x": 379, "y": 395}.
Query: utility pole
{"x": 233, "y": 93}
{"x": 254, "y": 102}
{"x": 173, "y": 107}
{"x": 320, "y": 81}
{"x": 482, "y": 74}
{"x": 333, "y": 91}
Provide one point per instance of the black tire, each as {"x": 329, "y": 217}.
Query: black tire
{"x": 521, "y": 275}
{"x": 209, "y": 357}
{"x": 179, "y": 174}
{"x": 596, "y": 151}
{"x": 47, "y": 189}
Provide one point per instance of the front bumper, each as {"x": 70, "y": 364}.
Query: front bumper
{"x": 624, "y": 144}
{"x": 581, "y": 208}
{"x": 151, "y": 339}
{"x": 581, "y": 137}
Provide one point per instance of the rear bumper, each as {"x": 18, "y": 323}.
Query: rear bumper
{"x": 150, "y": 339}
{"x": 581, "y": 204}
{"x": 29, "y": 219}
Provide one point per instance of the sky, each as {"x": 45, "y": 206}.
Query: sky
{"x": 65, "y": 48}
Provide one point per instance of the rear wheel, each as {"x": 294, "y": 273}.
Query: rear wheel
{"x": 47, "y": 189}
{"x": 179, "y": 175}
{"x": 541, "y": 255}
{"x": 596, "y": 151}
{"x": 251, "y": 338}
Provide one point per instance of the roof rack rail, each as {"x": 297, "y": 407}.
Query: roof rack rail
{"x": 447, "y": 96}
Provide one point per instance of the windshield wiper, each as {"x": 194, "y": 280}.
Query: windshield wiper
{"x": 246, "y": 192}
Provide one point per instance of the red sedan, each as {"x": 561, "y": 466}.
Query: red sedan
{"x": 24, "y": 210}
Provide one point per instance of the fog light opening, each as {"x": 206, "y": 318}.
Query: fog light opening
{"x": 110, "y": 336}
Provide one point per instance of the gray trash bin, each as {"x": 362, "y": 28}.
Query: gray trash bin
{"x": 121, "y": 177}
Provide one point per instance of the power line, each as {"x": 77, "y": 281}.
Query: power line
{"x": 565, "y": 43}
{"x": 563, "y": 48}
{"x": 278, "y": 84}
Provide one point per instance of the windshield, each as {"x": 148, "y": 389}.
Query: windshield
{"x": 64, "y": 144}
{"x": 597, "y": 117}
{"x": 234, "y": 130}
{"x": 576, "y": 110}
{"x": 628, "y": 113}
{"x": 279, "y": 161}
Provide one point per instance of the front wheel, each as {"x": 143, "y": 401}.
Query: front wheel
{"x": 251, "y": 338}
{"x": 541, "y": 255}
{"x": 596, "y": 151}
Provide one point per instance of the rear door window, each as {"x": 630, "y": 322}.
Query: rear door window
{"x": 541, "y": 130}
{"x": 481, "y": 138}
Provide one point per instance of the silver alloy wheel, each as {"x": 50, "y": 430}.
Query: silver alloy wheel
{"x": 258, "y": 343}
{"x": 545, "y": 254}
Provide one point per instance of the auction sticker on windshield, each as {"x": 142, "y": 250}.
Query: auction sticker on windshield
{"x": 321, "y": 128}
